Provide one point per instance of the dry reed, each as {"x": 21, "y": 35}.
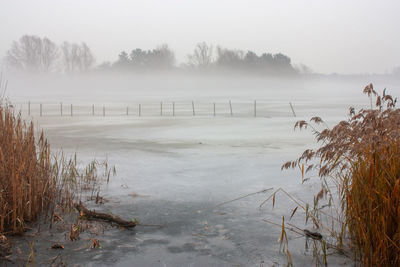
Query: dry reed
{"x": 26, "y": 184}
{"x": 33, "y": 182}
{"x": 359, "y": 166}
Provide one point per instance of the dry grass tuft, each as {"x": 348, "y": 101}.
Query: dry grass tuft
{"x": 27, "y": 185}
{"x": 33, "y": 182}
{"x": 359, "y": 165}
{"x": 373, "y": 205}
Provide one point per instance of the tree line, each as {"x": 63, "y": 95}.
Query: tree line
{"x": 36, "y": 54}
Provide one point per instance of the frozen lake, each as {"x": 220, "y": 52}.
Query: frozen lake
{"x": 181, "y": 168}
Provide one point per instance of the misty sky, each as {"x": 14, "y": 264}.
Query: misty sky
{"x": 328, "y": 36}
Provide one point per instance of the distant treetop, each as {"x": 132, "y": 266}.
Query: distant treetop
{"x": 36, "y": 54}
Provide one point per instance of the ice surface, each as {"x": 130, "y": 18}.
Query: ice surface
{"x": 176, "y": 170}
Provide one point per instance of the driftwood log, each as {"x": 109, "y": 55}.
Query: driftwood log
{"x": 92, "y": 214}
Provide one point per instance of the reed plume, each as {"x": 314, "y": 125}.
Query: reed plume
{"x": 358, "y": 161}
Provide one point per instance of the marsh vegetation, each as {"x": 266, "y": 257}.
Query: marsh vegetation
{"x": 357, "y": 209}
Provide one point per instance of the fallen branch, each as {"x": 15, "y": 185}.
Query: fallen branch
{"x": 92, "y": 214}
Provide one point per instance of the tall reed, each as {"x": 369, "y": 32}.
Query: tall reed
{"x": 359, "y": 166}
{"x": 373, "y": 205}
{"x": 33, "y": 181}
{"x": 26, "y": 184}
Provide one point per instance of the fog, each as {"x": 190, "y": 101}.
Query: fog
{"x": 340, "y": 36}
{"x": 182, "y": 165}
{"x": 123, "y": 88}
{"x": 194, "y": 103}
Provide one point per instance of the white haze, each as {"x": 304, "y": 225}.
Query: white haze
{"x": 106, "y": 88}
{"x": 182, "y": 167}
{"x": 176, "y": 162}
{"x": 329, "y": 36}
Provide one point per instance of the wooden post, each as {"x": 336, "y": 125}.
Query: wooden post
{"x": 29, "y": 108}
{"x": 93, "y": 110}
{"x": 214, "y": 109}
{"x": 255, "y": 108}
{"x": 140, "y": 110}
{"x": 71, "y": 111}
{"x": 193, "y": 108}
{"x": 40, "y": 109}
{"x": 294, "y": 114}
{"x": 127, "y": 110}
{"x": 230, "y": 107}
{"x": 161, "y": 108}
{"x": 61, "y": 109}
{"x": 104, "y": 111}
{"x": 173, "y": 109}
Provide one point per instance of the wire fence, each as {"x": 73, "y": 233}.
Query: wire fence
{"x": 162, "y": 108}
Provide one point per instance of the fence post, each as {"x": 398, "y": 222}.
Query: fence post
{"x": 161, "y": 108}
{"x": 255, "y": 108}
{"x": 40, "y": 109}
{"x": 230, "y": 107}
{"x": 29, "y": 108}
{"x": 193, "y": 108}
{"x": 214, "y": 109}
{"x": 127, "y": 110}
{"x": 173, "y": 109}
{"x": 140, "y": 110}
{"x": 104, "y": 111}
{"x": 93, "y": 110}
{"x": 72, "y": 111}
{"x": 294, "y": 114}
{"x": 61, "y": 109}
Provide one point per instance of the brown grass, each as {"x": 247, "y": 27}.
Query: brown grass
{"x": 373, "y": 206}
{"x": 359, "y": 164}
{"x": 27, "y": 186}
{"x": 33, "y": 182}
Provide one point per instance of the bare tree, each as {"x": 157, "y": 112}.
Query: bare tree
{"x": 162, "y": 57}
{"x": 76, "y": 58}
{"x": 33, "y": 53}
{"x": 229, "y": 58}
{"x": 50, "y": 54}
{"x": 86, "y": 57}
{"x": 202, "y": 56}
{"x": 66, "y": 52}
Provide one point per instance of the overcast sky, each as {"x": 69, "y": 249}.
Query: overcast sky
{"x": 328, "y": 36}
